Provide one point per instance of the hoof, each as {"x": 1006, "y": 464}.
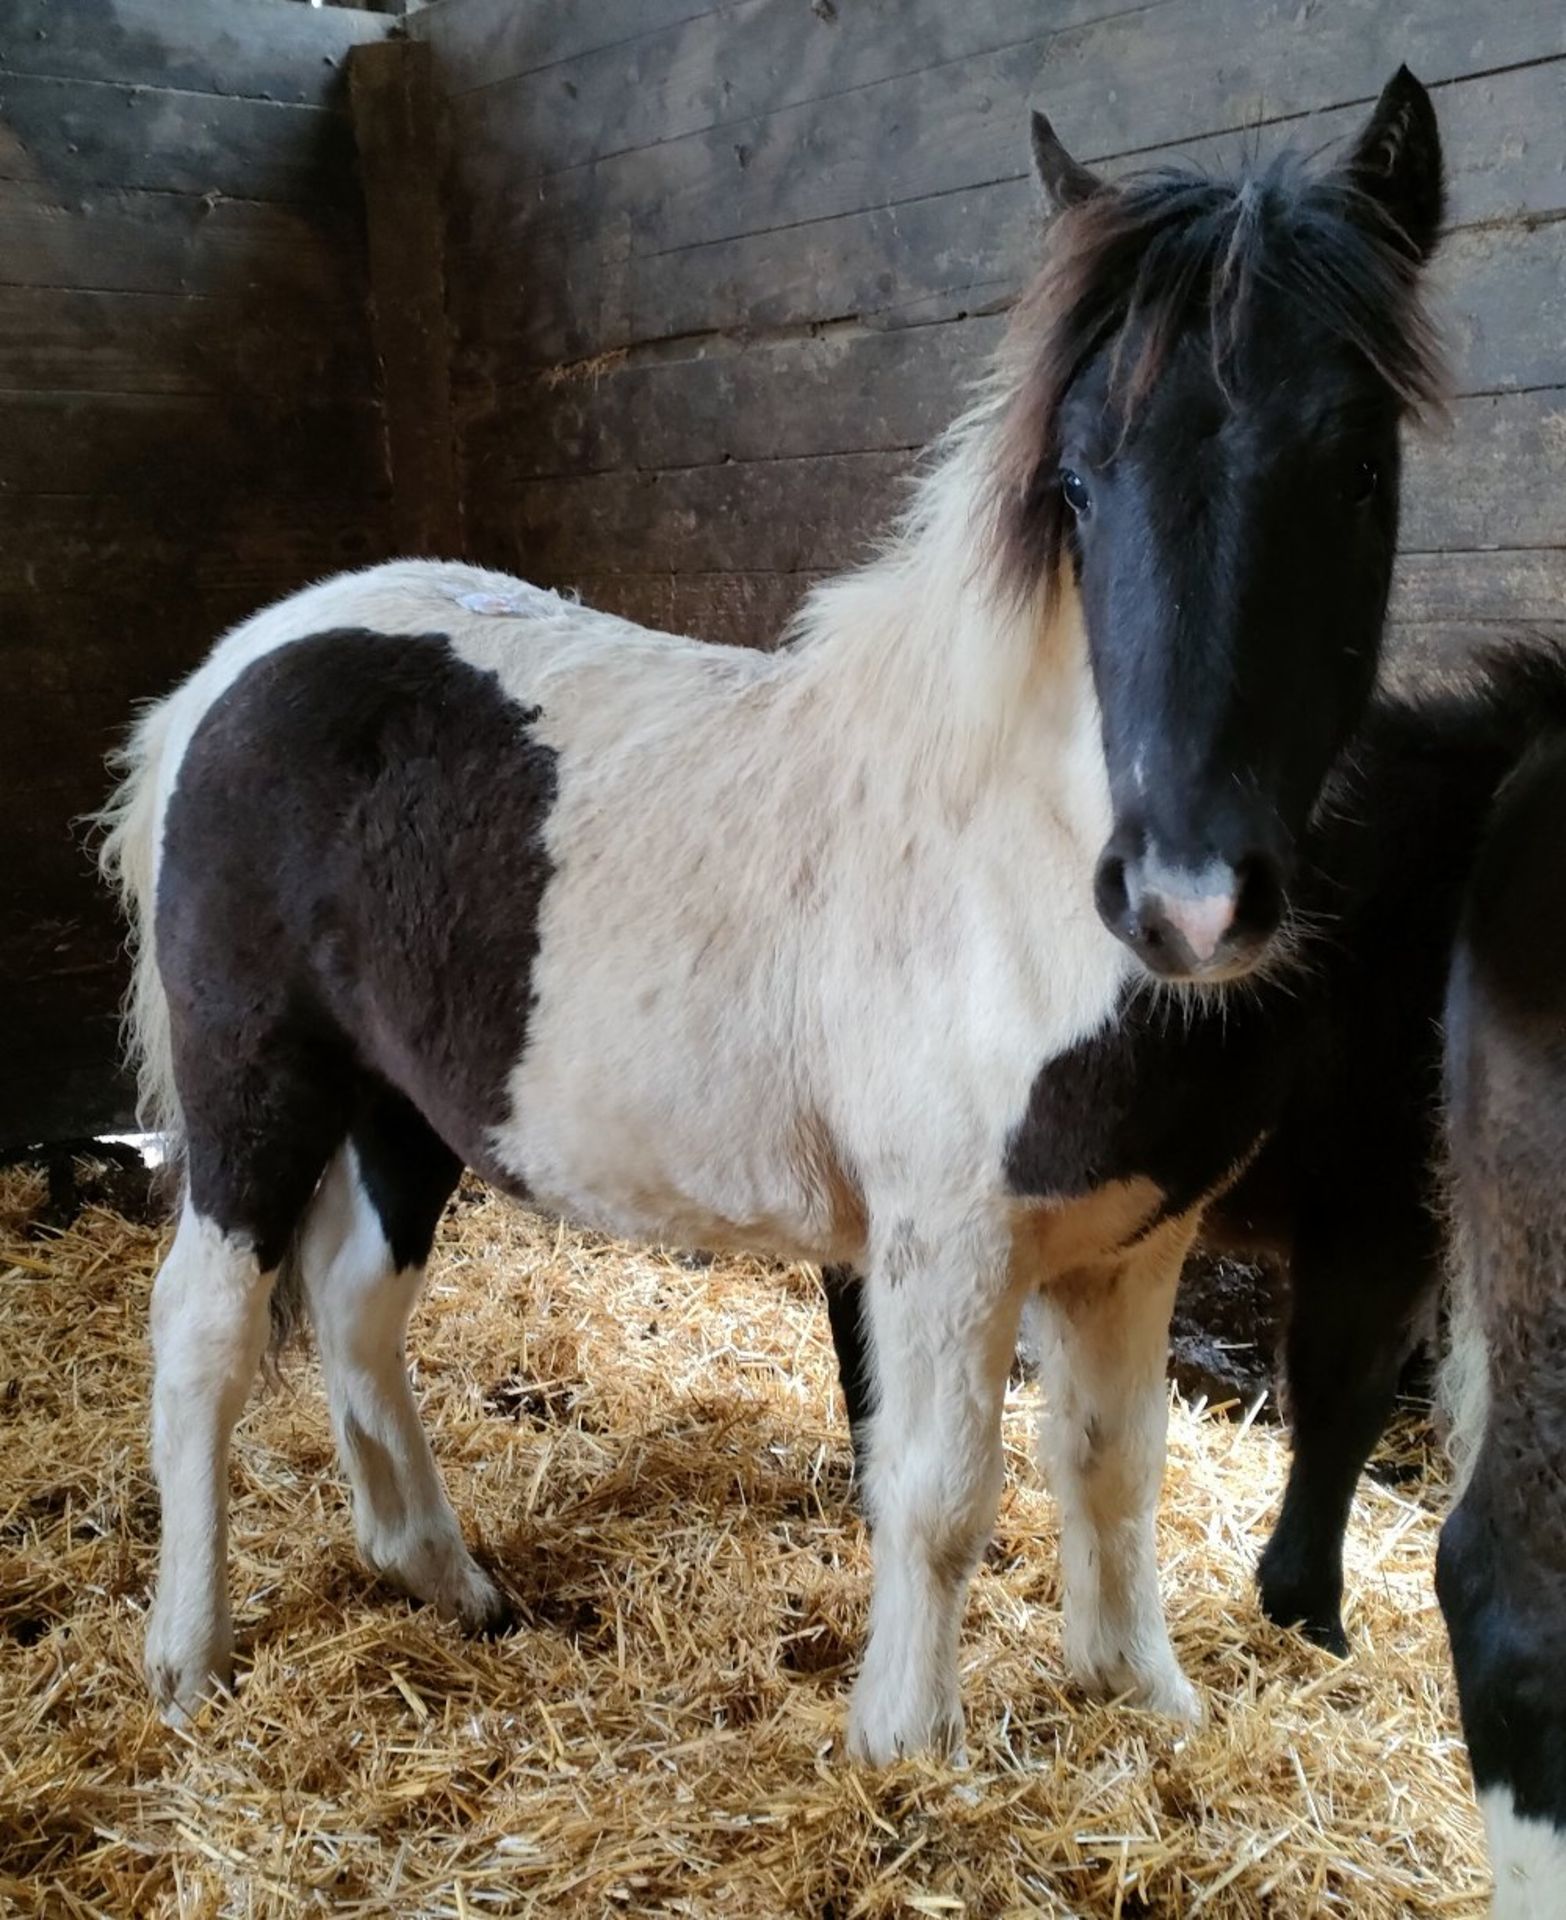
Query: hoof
{"x": 884, "y": 1727}
{"x": 1164, "y": 1691}
{"x": 184, "y": 1672}
{"x": 1306, "y": 1608}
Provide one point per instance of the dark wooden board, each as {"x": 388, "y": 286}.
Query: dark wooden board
{"x": 537, "y": 281}
{"x": 1497, "y": 479}
{"x": 1440, "y": 600}
{"x": 190, "y": 451}
{"x": 283, "y": 346}
{"x": 478, "y": 42}
{"x": 395, "y": 124}
{"x": 117, "y": 241}
{"x": 1500, "y": 293}
{"x": 761, "y": 515}
{"x": 257, "y": 49}
{"x": 740, "y": 65}
{"x": 78, "y": 137}
{"x": 1525, "y": 585}
{"x": 844, "y": 390}
{"x": 137, "y": 552}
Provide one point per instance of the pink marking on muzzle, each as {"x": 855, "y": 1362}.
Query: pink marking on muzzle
{"x": 1201, "y": 920}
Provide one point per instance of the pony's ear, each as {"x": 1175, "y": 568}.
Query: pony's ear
{"x": 1396, "y": 162}
{"x": 1065, "y": 181}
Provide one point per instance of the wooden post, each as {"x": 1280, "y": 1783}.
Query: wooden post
{"x": 395, "y": 118}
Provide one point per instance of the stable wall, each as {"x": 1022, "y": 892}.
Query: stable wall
{"x": 190, "y": 425}
{"x": 716, "y": 271}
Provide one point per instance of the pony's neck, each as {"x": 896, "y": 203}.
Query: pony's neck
{"x": 948, "y": 673}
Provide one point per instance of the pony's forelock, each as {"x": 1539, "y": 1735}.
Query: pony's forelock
{"x": 1132, "y": 268}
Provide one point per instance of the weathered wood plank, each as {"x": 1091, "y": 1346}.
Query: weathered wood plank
{"x": 765, "y": 515}
{"x": 479, "y": 42}
{"x": 1457, "y": 588}
{"x": 172, "y": 449}
{"x": 120, "y": 242}
{"x": 257, "y": 49}
{"x": 278, "y": 347}
{"x": 1496, "y": 480}
{"x": 594, "y": 277}
{"x": 735, "y": 609}
{"x": 746, "y": 62}
{"x": 1442, "y": 646}
{"x": 79, "y": 137}
{"x": 1114, "y": 86}
{"x": 394, "y": 116}
{"x": 1500, "y": 293}
{"x": 136, "y": 551}
{"x": 728, "y": 401}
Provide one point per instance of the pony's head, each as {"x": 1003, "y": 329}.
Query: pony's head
{"x": 1208, "y": 380}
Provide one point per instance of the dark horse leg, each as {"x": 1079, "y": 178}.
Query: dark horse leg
{"x": 851, "y": 1338}
{"x": 1360, "y": 1277}
{"x": 1501, "y": 1568}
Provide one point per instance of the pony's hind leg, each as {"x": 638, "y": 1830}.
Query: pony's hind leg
{"x": 257, "y": 1139}
{"x": 1103, "y": 1357}
{"x": 209, "y": 1326}
{"x": 362, "y": 1259}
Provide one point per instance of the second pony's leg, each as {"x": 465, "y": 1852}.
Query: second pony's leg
{"x": 845, "y": 1299}
{"x": 1360, "y": 1278}
{"x": 943, "y": 1308}
{"x": 1104, "y": 1345}
{"x": 362, "y": 1257}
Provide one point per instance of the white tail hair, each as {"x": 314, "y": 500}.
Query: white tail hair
{"x": 132, "y": 825}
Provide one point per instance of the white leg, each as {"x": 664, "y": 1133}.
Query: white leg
{"x": 1103, "y": 1356}
{"x": 209, "y": 1326}
{"x": 943, "y": 1317}
{"x": 359, "y": 1305}
{"x": 1528, "y": 1858}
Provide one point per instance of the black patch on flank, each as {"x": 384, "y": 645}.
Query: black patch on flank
{"x": 353, "y": 866}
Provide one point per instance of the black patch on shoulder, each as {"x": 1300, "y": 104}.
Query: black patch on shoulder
{"x": 352, "y": 874}
{"x": 1176, "y": 1095}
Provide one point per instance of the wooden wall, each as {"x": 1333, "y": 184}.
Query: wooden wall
{"x": 718, "y": 268}
{"x": 189, "y": 426}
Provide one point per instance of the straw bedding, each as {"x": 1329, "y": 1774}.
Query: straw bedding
{"x": 653, "y": 1457}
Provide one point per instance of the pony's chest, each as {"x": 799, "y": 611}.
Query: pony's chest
{"x": 1143, "y": 1120}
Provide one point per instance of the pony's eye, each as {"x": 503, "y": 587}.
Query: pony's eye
{"x": 1363, "y": 482}
{"x": 1074, "y": 487}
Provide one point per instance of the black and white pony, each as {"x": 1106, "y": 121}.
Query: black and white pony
{"x": 979, "y": 937}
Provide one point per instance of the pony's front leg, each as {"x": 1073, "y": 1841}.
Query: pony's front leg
{"x": 1104, "y": 1342}
{"x": 943, "y": 1312}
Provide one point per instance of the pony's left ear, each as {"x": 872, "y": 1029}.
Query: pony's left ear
{"x": 1396, "y": 162}
{"x": 1065, "y": 182}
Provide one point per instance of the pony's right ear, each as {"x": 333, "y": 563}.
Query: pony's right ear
{"x": 1065, "y": 182}
{"x": 1396, "y": 162}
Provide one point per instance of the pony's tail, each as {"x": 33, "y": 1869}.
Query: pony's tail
{"x": 131, "y": 825}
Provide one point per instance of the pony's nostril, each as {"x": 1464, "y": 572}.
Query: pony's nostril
{"x": 1259, "y": 894}
{"x": 1110, "y": 893}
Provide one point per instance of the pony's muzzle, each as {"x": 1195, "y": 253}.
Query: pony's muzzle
{"x": 1210, "y": 923}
